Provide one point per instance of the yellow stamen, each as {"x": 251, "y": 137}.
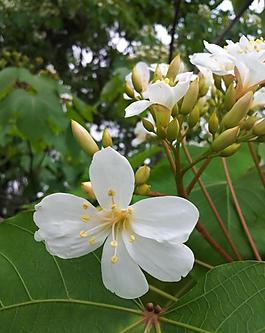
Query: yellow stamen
{"x": 111, "y": 193}
{"x": 85, "y": 205}
{"x": 85, "y": 218}
{"x": 132, "y": 238}
{"x": 114, "y": 259}
{"x": 83, "y": 233}
{"x": 114, "y": 243}
{"x": 92, "y": 241}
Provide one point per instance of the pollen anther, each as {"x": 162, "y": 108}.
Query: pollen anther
{"x": 114, "y": 259}
{"x": 132, "y": 238}
{"x": 111, "y": 193}
{"x": 85, "y": 218}
{"x": 92, "y": 241}
{"x": 114, "y": 243}
{"x": 83, "y": 233}
{"x": 85, "y": 205}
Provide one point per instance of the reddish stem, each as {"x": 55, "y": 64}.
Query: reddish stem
{"x": 240, "y": 213}
{"x": 256, "y": 161}
{"x": 169, "y": 157}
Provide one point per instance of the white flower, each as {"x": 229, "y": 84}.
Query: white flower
{"x": 247, "y": 56}
{"x": 143, "y": 73}
{"x": 147, "y": 235}
{"x": 161, "y": 93}
{"x": 141, "y": 133}
{"x": 259, "y": 99}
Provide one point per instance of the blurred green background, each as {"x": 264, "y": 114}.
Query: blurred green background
{"x": 67, "y": 59}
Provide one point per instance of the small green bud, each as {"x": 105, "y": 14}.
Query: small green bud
{"x": 194, "y": 116}
{"x": 162, "y": 115}
{"x": 173, "y": 130}
{"x": 143, "y": 189}
{"x": 84, "y": 139}
{"x": 248, "y": 123}
{"x": 230, "y": 97}
{"x": 190, "y": 98}
{"x": 128, "y": 89}
{"x": 213, "y": 123}
{"x": 225, "y": 139}
{"x": 175, "y": 110}
{"x": 228, "y": 80}
{"x": 161, "y": 132}
{"x": 259, "y": 127}
{"x": 106, "y": 139}
{"x": 230, "y": 150}
{"x": 203, "y": 85}
{"x": 238, "y": 111}
{"x": 217, "y": 81}
{"x": 142, "y": 175}
{"x": 87, "y": 188}
{"x": 139, "y": 78}
{"x": 148, "y": 125}
{"x": 173, "y": 68}
{"x": 158, "y": 74}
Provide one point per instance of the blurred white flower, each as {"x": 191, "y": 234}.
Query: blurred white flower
{"x": 244, "y": 59}
{"x": 259, "y": 99}
{"x": 141, "y": 134}
{"x": 148, "y": 235}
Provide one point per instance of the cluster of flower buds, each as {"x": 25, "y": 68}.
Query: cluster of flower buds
{"x": 141, "y": 177}
{"x": 227, "y": 93}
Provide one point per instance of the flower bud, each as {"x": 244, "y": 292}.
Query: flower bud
{"x": 139, "y": 78}
{"x": 248, "y": 123}
{"x": 230, "y": 150}
{"x": 238, "y": 111}
{"x": 148, "y": 125}
{"x": 190, "y": 98}
{"x": 87, "y": 188}
{"x": 203, "y": 85}
{"x": 142, "y": 175}
{"x": 106, "y": 139}
{"x": 162, "y": 115}
{"x": 217, "y": 81}
{"x": 83, "y": 138}
{"x": 143, "y": 189}
{"x": 173, "y": 130}
{"x": 173, "y": 68}
{"x": 161, "y": 132}
{"x": 175, "y": 110}
{"x": 128, "y": 89}
{"x": 228, "y": 80}
{"x": 194, "y": 116}
{"x": 259, "y": 127}
{"x": 230, "y": 97}
{"x": 158, "y": 73}
{"x": 213, "y": 123}
{"x": 225, "y": 139}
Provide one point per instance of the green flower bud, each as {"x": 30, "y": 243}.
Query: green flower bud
{"x": 173, "y": 130}
{"x": 194, "y": 116}
{"x": 161, "y": 132}
{"x": 225, "y": 139}
{"x": 128, "y": 89}
{"x": 190, "y": 98}
{"x": 213, "y": 123}
{"x": 142, "y": 175}
{"x": 143, "y": 189}
{"x": 162, "y": 115}
{"x": 138, "y": 77}
{"x": 228, "y": 80}
{"x": 259, "y": 127}
{"x": 230, "y": 97}
{"x": 173, "y": 68}
{"x": 84, "y": 139}
{"x": 106, "y": 139}
{"x": 203, "y": 85}
{"x": 238, "y": 111}
{"x": 217, "y": 81}
{"x": 230, "y": 150}
{"x": 175, "y": 110}
{"x": 158, "y": 74}
{"x": 248, "y": 123}
{"x": 148, "y": 125}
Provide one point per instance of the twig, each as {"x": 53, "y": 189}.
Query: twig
{"x": 256, "y": 161}
{"x": 169, "y": 157}
{"x": 197, "y": 175}
{"x": 203, "y": 264}
{"x": 240, "y": 213}
{"x": 232, "y": 23}
{"x": 162, "y": 293}
{"x": 173, "y": 29}
{"x": 156, "y": 194}
{"x": 212, "y": 206}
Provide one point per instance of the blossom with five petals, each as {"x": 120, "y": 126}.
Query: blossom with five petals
{"x": 244, "y": 59}
{"x": 147, "y": 235}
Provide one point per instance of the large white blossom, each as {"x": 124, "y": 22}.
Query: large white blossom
{"x": 147, "y": 235}
{"x": 244, "y": 59}
{"x": 162, "y": 93}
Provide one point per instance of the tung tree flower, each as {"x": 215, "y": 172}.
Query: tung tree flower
{"x": 141, "y": 134}
{"x": 161, "y": 93}
{"x": 244, "y": 59}
{"x": 147, "y": 235}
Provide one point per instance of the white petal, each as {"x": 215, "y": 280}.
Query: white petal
{"x": 124, "y": 278}
{"x": 180, "y": 90}
{"x": 143, "y": 72}
{"x": 161, "y": 93}
{"x": 110, "y": 171}
{"x": 164, "y": 218}
{"x": 166, "y": 261}
{"x": 259, "y": 99}
{"x": 215, "y": 49}
{"x": 136, "y": 108}
{"x": 58, "y": 217}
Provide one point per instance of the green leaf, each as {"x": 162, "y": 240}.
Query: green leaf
{"x": 229, "y": 299}
{"x": 138, "y": 159}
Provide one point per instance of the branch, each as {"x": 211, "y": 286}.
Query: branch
{"x": 233, "y": 22}
{"x": 173, "y": 29}
{"x": 169, "y": 157}
{"x": 240, "y": 213}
